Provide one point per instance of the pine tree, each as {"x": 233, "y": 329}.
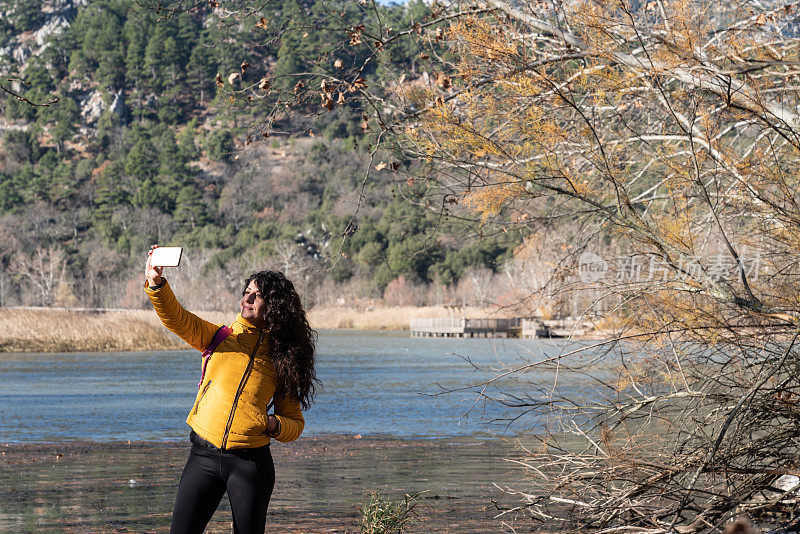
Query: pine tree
{"x": 141, "y": 161}
{"x": 26, "y": 15}
{"x": 200, "y": 72}
{"x": 63, "y": 119}
{"x": 190, "y": 210}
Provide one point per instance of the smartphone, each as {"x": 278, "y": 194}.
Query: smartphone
{"x": 166, "y": 257}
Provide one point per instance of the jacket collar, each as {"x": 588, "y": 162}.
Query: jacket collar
{"x": 243, "y": 326}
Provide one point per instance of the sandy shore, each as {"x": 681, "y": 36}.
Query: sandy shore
{"x": 84, "y": 487}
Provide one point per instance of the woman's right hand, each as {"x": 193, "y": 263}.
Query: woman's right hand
{"x": 153, "y": 272}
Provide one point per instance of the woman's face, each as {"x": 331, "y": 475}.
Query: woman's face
{"x": 253, "y": 305}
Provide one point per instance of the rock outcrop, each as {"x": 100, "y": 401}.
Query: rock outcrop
{"x": 56, "y": 18}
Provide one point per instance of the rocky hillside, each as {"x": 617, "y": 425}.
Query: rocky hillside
{"x": 144, "y": 146}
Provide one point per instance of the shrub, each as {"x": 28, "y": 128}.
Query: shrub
{"x": 381, "y": 515}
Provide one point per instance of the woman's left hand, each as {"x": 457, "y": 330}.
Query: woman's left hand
{"x": 273, "y": 425}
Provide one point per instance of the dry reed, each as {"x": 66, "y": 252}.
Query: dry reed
{"x": 389, "y": 318}
{"x": 63, "y": 330}
{"x": 55, "y": 330}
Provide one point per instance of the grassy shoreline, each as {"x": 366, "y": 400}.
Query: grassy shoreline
{"x": 66, "y": 330}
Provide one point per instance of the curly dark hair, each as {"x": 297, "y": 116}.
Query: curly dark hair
{"x": 291, "y": 338}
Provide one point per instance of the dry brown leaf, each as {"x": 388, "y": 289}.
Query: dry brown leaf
{"x": 338, "y": 63}
{"x": 355, "y": 34}
{"x": 299, "y": 87}
{"x": 327, "y": 101}
{"x": 380, "y": 166}
{"x": 262, "y": 24}
{"x": 218, "y": 80}
{"x": 264, "y": 84}
{"x": 341, "y": 99}
{"x": 244, "y": 66}
{"x": 232, "y": 77}
{"x": 325, "y": 85}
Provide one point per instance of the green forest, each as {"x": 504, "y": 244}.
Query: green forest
{"x": 144, "y": 146}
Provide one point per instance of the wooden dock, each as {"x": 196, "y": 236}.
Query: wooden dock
{"x": 557, "y": 327}
{"x": 459, "y": 327}
{"x": 523, "y": 327}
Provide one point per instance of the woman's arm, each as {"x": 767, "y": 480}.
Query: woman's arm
{"x": 290, "y": 421}
{"x": 192, "y": 329}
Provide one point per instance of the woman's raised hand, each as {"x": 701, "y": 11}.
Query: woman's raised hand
{"x": 153, "y": 272}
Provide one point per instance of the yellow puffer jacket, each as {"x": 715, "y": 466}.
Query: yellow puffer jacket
{"x": 230, "y": 407}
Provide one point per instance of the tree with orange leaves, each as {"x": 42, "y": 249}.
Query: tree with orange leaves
{"x": 663, "y": 140}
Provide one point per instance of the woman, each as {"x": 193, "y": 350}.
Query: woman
{"x": 267, "y": 357}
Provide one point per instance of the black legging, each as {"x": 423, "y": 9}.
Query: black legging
{"x": 247, "y": 474}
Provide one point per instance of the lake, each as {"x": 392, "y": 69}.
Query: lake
{"x": 374, "y": 383}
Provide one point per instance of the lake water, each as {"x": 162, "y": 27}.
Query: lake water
{"x": 373, "y": 384}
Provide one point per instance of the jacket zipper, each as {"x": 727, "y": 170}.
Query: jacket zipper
{"x": 239, "y": 390}
{"x": 203, "y": 394}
